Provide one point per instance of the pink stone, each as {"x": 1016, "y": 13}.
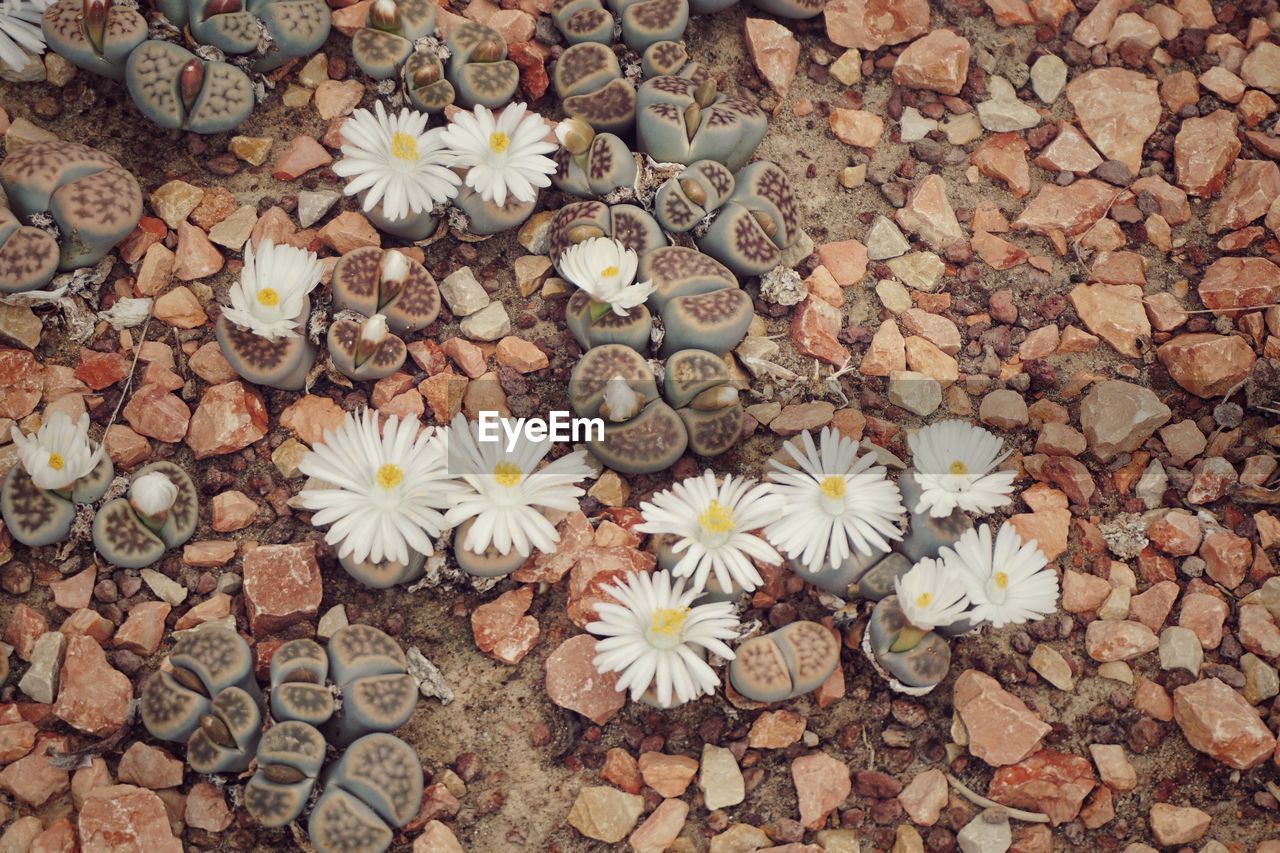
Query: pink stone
{"x": 311, "y": 417}
{"x": 661, "y": 828}
{"x": 100, "y": 370}
{"x": 16, "y": 740}
{"x": 76, "y": 591}
{"x": 1205, "y": 615}
{"x": 142, "y": 632}
{"x": 1226, "y": 557}
{"x": 208, "y": 553}
{"x": 886, "y": 353}
{"x": 776, "y": 730}
{"x": 939, "y": 62}
{"x": 595, "y": 571}
{"x": 23, "y": 629}
{"x": 1177, "y": 533}
{"x": 333, "y": 98}
{"x": 156, "y": 413}
{"x": 21, "y": 381}
{"x": 469, "y": 357}
{"x": 1003, "y": 156}
{"x": 822, "y": 784}
{"x": 1096, "y": 26}
{"x": 282, "y": 586}
{"x": 501, "y": 628}
{"x": 622, "y": 771}
{"x": 576, "y": 537}
{"x": 1114, "y": 313}
{"x": 349, "y": 231}
{"x": 1002, "y": 730}
{"x": 180, "y": 308}
{"x": 233, "y": 510}
{"x": 872, "y": 24}
{"x": 929, "y": 215}
{"x": 1082, "y": 593}
{"x": 302, "y": 155}
{"x": 996, "y": 252}
{"x": 1009, "y": 13}
{"x": 669, "y": 775}
{"x": 1231, "y": 286}
{"x": 859, "y": 128}
{"x": 1254, "y": 185}
{"x": 574, "y": 683}
{"x": 207, "y": 808}
{"x": 1203, "y": 150}
{"x": 1119, "y": 109}
{"x": 94, "y": 697}
{"x": 211, "y": 365}
{"x": 1218, "y": 721}
{"x": 1174, "y": 826}
{"x": 149, "y": 767}
{"x": 1067, "y": 211}
{"x": 58, "y": 837}
{"x": 230, "y": 417}
{"x": 196, "y": 256}
{"x": 1258, "y": 631}
{"x": 925, "y": 797}
{"x": 775, "y": 52}
{"x": 1205, "y": 364}
{"x": 89, "y": 623}
{"x": 1051, "y": 782}
{"x": 1118, "y": 639}
{"x": 34, "y": 780}
{"x": 846, "y": 261}
{"x": 1152, "y": 607}
{"x": 814, "y": 328}
{"x": 126, "y": 819}
{"x": 520, "y": 355}
{"x": 1069, "y": 152}
{"x": 217, "y": 606}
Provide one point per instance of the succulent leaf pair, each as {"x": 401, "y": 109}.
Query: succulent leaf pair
{"x": 643, "y": 21}
{"x": 292, "y": 28}
{"x": 94, "y": 202}
{"x": 789, "y": 662}
{"x": 36, "y": 516}
{"x": 125, "y": 536}
{"x": 392, "y": 295}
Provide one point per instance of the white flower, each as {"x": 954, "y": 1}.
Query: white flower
{"x": 400, "y": 162}
{"x": 606, "y": 270}
{"x": 505, "y": 491}
{"x": 930, "y": 595}
{"x": 954, "y": 462}
{"x": 653, "y": 636}
{"x": 20, "y": 35}
{"x": 502, "y": 155}
{"x": 273, "y": 285}
{"x": 833, "y": 503}
{"x": 387, "y": 488}
{"x": 59, "y": 453}
{"x": 621, "y": 401}
{"x": 712, "y": 525}
{"x": 152, "y": 494}
{"x": 1008, "y": 581}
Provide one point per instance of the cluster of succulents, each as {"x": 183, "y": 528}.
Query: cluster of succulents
{"x": 86, "y": 195}
{"x": 37, "y": 516}
{"x": 272, "y": 32}
{"x": 210, "y": 700}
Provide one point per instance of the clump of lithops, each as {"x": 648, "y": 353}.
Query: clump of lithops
{"x": 209, "y": 699}
{"x": 97, "y": 35}
{"x": 642, "y": 434}
{"x": 81, "y": 201}
{"x": 261, "y": 330}
{"x": 643, "y": 21}
{"x": 389, "y": 35}
{"x": 158, "y": 513}
{"x": 271, "y": 31}
{"x": 746, "y": 221}
{"x": 588, "y": 79}
{"x": 383, "y": 294}
{"x": 590, "y": 163}
{"x": 179, "y": 90}
{"x": 58, "y": 468}
{"x": 682, "y": 120}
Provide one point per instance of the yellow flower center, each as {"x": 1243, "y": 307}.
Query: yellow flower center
{"x": 507, "y": 474}
{"x": 55, "y": 461}
{"x": 389, "y": 476}
{"x": 833, "y": 487}
{"x": 498, "y": 142}
{"x": 716, "y": 519}
{"x": 668, "y": 622}
{"x": 924, "y": 599}
{"x": 1002, "y": 580}
{"x": 608, "y": 272}
{"x": 959, "y": 468}
{"x": 404, "y": 146}
{"x": 268, "y": 297}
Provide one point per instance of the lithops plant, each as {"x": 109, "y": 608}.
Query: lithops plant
{"x": 94, "y": 202}
{"x": 290, "y": 755}
{"x": 752, "y": 214}
{"x": 626, "y": 223}
{"x": 681, "y": 120}
{"x": 588, "y": 78}
{"x": 387, "y": 40}
{"x": 177, "y": 89}
{"x": 298, "y": 690}
{"x": 280, "y": 363}
{"x": 489, "y": 564}
{"x": 789, "y": 662}
{"x": 96, "y": 35}
{"x": 35, "y": 516}
{"x": 643, "y": 21}
{"x": 286, "y": 29}
{"x": 478, "y": 66}
{"x": 642, "y": 433}
{"x": 386, "y": 293}
{"x": 485, "y": 218}
{"x": 590, "y": 163}
{"x": 374, "y": 789}
{"x": 378, "y": 694}
{"x": 911, "y": 660}
{"x": 207, "y": 698}
{"x": 696, "y": 384}
{"x": 159, "y": 513}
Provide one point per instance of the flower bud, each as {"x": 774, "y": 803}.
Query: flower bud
{"x": 385, "y": 15}
{"x": 190, "y": 82}
{"x": 95, "y": 14}
{"x": 575, "y": 135}
{"x": 152, "y": 495}
{"x": 621, "y": 401}
{"x": 393, "y": 275}
{"x": 373, "y": 332}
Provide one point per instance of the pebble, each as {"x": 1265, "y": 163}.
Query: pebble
{"x": 720, "y": 779}
{"x": 1048, "y": 77}
{"x": 1180, "y": 649}
{"x": 463, "y": 293}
